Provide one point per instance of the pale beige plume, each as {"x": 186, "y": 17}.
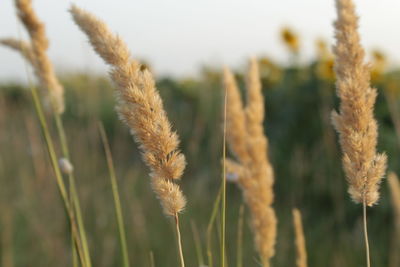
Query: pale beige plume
{"x": 355, "y": 122}
{"x": 35, "y": 53}
{"x": 139, "y": 105}
{"x": 252, "y": 168}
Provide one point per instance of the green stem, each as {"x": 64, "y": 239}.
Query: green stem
{"x": 197, "y": 243}
{"x": 210, "y": 227}
{"x": 117, "y": 201}
{"x": 223, "y": 204}
{"x": 65, "y": 152}
{"x": 74, "y": 199}
{"x": 57, "y": 171}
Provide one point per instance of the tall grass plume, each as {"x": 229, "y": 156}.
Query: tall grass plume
{"x": 35, "y": 52}
{"x": 251, "y": 167}
{"x": 140, "y": 107}
{"x": 358, "y": 130}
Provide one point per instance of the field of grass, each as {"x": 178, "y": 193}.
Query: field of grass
{"x": 303, "y": 149}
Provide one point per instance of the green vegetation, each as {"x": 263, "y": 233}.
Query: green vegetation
{"x": 34, "y": 230}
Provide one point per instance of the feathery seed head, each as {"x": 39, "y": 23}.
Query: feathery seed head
{"x": 252, "y": 168}
{"x": 171, "y": 197}
{"x": 35, "y": 53}
{"x": 140, "y": 107}
{"x": 20, "y": 46}
{"x": 355, "y": 122}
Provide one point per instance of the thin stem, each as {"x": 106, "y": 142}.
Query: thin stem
{"x": 117, "y": 201}
{"x": 152, "y": 263}
{"x": 366, "y": 233}
{"x": 223, "y": 204}
{"x": 178, "y": 235}
{"x": 81, "y": 226}
{"x": 53, "y": 157}
{"x": 65, "y": 152}
{"x": 197, "y": 243}
{"x": 57, "y": 171}
{"x": 61, "y": 134}
{"x": 210, "y": 227}
{"x": 75, "y": 204}
{"x": 74, "y": 255}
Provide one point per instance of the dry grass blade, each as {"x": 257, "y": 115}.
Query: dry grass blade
{"x": 301, "y": 251}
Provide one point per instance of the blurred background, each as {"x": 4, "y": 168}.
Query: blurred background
{"x": 186, "y": 44}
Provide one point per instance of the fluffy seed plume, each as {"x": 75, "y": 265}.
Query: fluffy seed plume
{"x": 35, "y": 53}
{"x": 300, "y": 242}
{"x": 20, "y": 46}
{"x": 139, "y": 105}
{"x": 248, "y": 144}
{"x": 355, "y": 122}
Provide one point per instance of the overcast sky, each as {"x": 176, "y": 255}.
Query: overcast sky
{"x": 179, "y": 36}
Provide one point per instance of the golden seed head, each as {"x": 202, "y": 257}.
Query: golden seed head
{"x": 251, "y": 168}
{"x": 140, "y": 107}
{"x": 355, "y": 122}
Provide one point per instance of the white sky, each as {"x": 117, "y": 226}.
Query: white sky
{"x": 179, "y": 36}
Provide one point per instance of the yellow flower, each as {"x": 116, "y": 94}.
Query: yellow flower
{"x": 325, "y": 61}
{"x": 290, "y": 38}
{"x": 269, "y": 71}
{"x": 379, "y": 64}
{"x": 325, "y": 69}
{"x": 322, "y": 48}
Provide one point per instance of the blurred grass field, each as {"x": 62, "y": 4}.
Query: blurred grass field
{"x": 303, "y": 149}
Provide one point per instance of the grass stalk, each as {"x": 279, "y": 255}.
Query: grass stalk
{"x": 179, "y": 239}
{"x": 65, "y": 152}
{"x": 117, "y": 201}
{"x": 152, "y": 262}
{"x": 73, "y": 195}
{"x": 197, "y": 243}
{"x": 210, "y": 226}
{"x": 366, "y": 234}
{"x": 223, "y": 202}
{"x": 57, "y": 171}
{"x": 58, "y": 108}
